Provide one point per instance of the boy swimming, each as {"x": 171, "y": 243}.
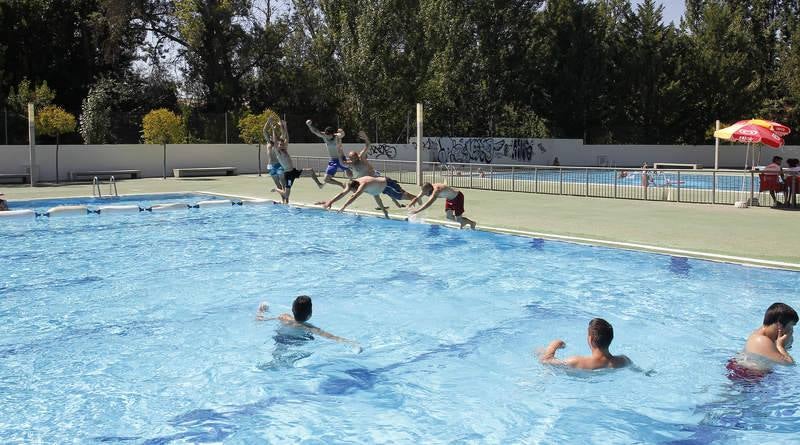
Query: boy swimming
{"x": 767, "y": 346}
{"x": 599, "y": 336}
{"x": 301, "y": 313}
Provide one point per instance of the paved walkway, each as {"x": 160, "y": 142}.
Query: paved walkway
{"x": 756, "y": 233}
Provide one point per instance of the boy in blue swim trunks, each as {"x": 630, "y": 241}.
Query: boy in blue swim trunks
{"x": 333, "y": 142}
{"x": 360, "y": 166}
{"x": 274, "y": 167}
{"x": 373, "y": 186}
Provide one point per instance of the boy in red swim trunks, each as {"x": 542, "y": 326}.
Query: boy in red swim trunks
{"x": 453, "y": 206}
{"x": 767, "y": 346}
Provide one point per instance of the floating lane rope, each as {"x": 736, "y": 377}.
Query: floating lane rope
{"x": 132, "y": 208}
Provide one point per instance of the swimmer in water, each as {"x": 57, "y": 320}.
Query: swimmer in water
{"x": 301, "y": 313}
{"x": 600, "y": 334}
{"x": 767, "y": 346}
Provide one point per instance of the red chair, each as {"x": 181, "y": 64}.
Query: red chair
{"x": 770, "y": 182}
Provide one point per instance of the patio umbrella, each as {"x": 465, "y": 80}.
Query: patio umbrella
{"x": 754, "y": 131}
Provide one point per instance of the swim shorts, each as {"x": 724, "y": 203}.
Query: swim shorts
{"x": 738, "y": 372}
{"x": 393, "y": 189}
{"x": 275, "y": 169}
{"x": 334, "y": 165}
{"x": 290, "y": 176}
{"x": 456, "y": 204}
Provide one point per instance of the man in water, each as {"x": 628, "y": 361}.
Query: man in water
{"x": 767, "y": 346}
{"x": 301, "y": 313}
{"x": 274, "y": 167}
{"x": 600, "y": 334}
{"x": 290, "y": 173}
{"x": 373, "y": 186}
{"x": 361, "y": 167}
{"x": 333, "y": 142}
{"x": 453, "y": 206}
{"x": 3, "y": 203}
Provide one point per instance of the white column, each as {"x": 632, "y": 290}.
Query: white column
{"x": 32, "y": 143}
{"x": 716, "y": 149}
{"x": 419, "y": 144}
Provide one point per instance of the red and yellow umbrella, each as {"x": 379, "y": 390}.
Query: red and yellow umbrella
{"x": 755, "y": 131}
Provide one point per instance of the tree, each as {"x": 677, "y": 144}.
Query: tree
{"x": 39, "y": 96}
{"x": 95, "y": 118}
{"x": 163, "y": 127}
{"x": 252, "y": 128}
{"x": 54, "y": 121}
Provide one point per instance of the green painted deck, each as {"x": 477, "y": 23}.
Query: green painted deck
{"x": 756, "y": 233}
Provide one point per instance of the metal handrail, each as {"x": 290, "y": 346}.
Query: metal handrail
{"x": 112, "y": 185}
{"x": 709, "y": 186}
{"x": 96, "y": 188}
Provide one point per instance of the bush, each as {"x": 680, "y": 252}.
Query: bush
{"x": 54, "y": 121}
{"x": 251, "y": 126}
{"x": 162, "y": 126}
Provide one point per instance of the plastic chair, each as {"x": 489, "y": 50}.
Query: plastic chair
{"x": 770, "y": 182}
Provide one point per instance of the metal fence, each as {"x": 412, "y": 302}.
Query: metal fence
{"x": 676, "y": 185}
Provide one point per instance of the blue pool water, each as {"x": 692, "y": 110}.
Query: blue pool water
{"x": 687, "y": 180}
{"x": 141, "y": 329}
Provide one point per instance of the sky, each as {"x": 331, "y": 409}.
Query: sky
{"x": 673, "y": 9}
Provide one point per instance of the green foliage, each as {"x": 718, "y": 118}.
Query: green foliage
{"x": 603, "y": 71}
{"x": 95, "y": 118}
{"x": 52, "y": 120}
{"x": 40, "y": 95}
{"x": 162, "y": 126}
{"x": 251, "y": 126}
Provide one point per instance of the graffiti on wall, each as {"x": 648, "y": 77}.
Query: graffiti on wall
{"x": 389, "y": 151}
{"x": 482, "y": 150}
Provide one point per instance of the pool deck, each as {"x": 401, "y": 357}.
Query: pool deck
{"x": 758, "y": 236}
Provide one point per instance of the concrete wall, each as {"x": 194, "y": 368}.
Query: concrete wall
{"x": 148, "y": 158}
{"x": 574, "y": 152}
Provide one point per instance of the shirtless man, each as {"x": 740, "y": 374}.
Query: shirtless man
{"x": 373, "y": 186}
{"x": 333, "y": 142}
{"x": 767, "y": 346}
{"x": 600, "y": 334}
{"x": 454, "y": 202}
{"x": 301, "y": 313}
{"x": 360, "y": 166}
{"x": 274, "y": 167}
{"x": 3, "y": 203}
{"x": 290, "y": 173}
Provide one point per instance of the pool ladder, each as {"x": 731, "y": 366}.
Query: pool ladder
{"x": 112, "y": 187}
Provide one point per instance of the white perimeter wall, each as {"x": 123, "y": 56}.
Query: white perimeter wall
{"x": 148, "y": 158}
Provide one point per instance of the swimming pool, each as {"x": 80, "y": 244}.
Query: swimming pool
{"x": 141, "y": 329}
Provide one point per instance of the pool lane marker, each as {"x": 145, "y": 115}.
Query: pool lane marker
{"x": 720, "y": 258}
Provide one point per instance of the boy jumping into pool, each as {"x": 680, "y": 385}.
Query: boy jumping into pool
{"x": 274, "y": 167}
{"x": 373, "y": 186}
{"x": 453, "y": 206}
{"x": 290, "y": 173}
{"x": 333, "y": 142}
{"x": 600, "y": 334}
{"x": 767, "y": 346}
{"x": 301, "y": 313}
{"x": 361, "y": 167}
